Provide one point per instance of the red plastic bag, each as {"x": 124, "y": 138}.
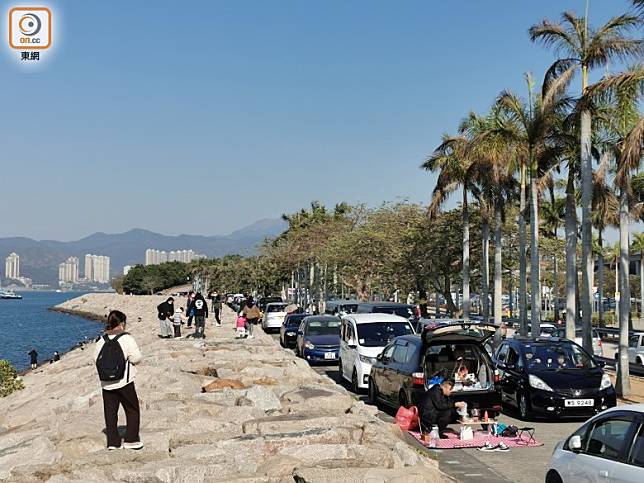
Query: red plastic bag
{"x": 407, "y": 419}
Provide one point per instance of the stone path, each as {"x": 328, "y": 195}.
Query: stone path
{"x": 267, "y": 417}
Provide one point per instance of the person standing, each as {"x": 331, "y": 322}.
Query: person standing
{"x": 166, "y": 313}
{"x": 216, "y": 308}
{"x": 189, "y": 308}
{"x": 116, "y": 356}
{"x": 177, "y": 320}
{"x": 252, "y": 314}
{"x": 200, "y": 310}
{"x": 33, "y": 355}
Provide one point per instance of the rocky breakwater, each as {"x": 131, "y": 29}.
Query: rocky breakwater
{"x": 221, "y": 409}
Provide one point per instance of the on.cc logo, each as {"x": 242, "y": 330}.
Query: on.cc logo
{"x": 29, "y": 24}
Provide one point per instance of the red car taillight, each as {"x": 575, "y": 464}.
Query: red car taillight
{"x": 418, "y": 379}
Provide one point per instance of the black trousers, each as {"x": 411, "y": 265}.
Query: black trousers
{"x": 217, "y": 313}
{"x": 442, "y": 419}
{"x": 125, "y": 396}
{"x": 177, "y": 330}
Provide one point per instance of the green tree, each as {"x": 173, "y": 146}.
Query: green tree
{"x": 9, "y": 381}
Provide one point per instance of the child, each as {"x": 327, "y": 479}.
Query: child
{"x": 177, "y": 320}
{"x": 241, "y": 327}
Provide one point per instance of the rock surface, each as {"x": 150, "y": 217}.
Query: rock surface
{"x": 221, "y": 409}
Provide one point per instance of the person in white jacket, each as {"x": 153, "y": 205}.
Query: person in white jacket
{"x": 122, "y": 391}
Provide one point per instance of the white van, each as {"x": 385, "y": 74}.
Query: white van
{"x": 362, "y": 338}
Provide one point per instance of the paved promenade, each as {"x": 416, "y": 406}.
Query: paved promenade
{"x": 269, "y": 417}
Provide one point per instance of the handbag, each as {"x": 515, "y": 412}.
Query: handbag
{"x": 407, "y": 419}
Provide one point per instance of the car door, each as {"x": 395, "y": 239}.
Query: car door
{"x": 633, "y": 342}
{"x": 604, "y": 450}
{"x": 514, "y": 375}
{"x": 499, "y": 359}
{"x": 396, "y": 373}
{"x": 384, "y": 379}
{"x": 300, "y": 338}
{"x": 349, "y": 359}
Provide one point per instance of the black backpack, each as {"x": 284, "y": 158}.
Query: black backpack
{"x": 111, "y": 362}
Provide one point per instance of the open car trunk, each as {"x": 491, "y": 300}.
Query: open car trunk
{"x": 444, "y": 358}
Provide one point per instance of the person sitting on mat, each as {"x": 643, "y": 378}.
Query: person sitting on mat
{"x": 436, "y": 408}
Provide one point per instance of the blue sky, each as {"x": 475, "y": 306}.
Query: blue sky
{"x": 206, "y": 117}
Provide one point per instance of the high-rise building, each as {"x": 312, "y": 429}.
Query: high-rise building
{"x": 154, "y": 257}
{"x": 68, "y": 271}
{"x": 126, "y": 269}
{"x": 12, "y": 266}
{"x": 97, "y": 268}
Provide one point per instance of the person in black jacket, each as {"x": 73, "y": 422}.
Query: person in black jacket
{"x": 437, "y": 407}
{"x": 33, "y": 355}
{"x": 200, "y": 311}
{"x": 166, "y": 313}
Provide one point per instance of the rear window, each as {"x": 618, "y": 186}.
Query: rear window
{"x": 276, "y": 308}
{"x": 349, "y": 308}
{"x": 379, "y": 334}
{"x": 405, "y": 312}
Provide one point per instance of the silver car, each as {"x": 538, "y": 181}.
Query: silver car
{"x": 608, "y": 447}
{"x": 636, "y": 349}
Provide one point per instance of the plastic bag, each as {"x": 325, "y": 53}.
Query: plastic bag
{"x": 407, "y": 419}
{"x": 466, "y": 433}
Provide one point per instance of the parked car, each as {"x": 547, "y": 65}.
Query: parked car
{"x": 273, "y": 316}
{"x": 289, "y": 328}
{"x": 635, "y": 349}
{"x": 552, "y": 377}
{"x": 407, "y": 365}
{"x": 264, "y": 301}
{"x": 402, "y": 310}
{"x": 341, "y": 307}
{"x": 547, "y": 329}
{"x": 318, "y": 338}
{"x": 597, "y": 341}
{"x": 362, "y": 338}
{"x": 608, "y": 447}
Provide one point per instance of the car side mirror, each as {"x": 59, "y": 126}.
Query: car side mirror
{"x": 575, "y": 443}
{"x": 379, "y": 357}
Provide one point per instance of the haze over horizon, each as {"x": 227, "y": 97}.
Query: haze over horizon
{"x": 249, "y": 109}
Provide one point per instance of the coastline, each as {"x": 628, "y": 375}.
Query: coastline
{"x": 221, "y": 409}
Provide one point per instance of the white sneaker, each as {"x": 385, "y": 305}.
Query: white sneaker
{"x": 250, "y": 337}
{"x": 137, "y": 445}
{"x": 112, "y": 448}
{"x": 218, "y": 325}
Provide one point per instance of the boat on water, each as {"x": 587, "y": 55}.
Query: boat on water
{"x": 9, "y": 295}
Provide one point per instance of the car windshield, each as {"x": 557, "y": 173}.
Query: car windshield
{"x": 546, "y": 329}
{"x": 380, "y": 333}
{"x": 294, "y": 321}
{"x": 556, "y": 357}
{"x": 399, "y": 311}
{"x": 323, "y": 327}
{"x": 276, "y": 308}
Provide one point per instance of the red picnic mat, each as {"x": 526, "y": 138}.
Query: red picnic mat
{"x": 480, "y": 438}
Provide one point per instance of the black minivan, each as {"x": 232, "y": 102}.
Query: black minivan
{"x": 410, "y": 364}
{"x": 552, "y": 377}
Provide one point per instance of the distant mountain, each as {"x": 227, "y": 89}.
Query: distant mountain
{"x": 39, "y": 259}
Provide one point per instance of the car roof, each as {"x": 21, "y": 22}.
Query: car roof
{"x": 638, "y": 408}
{"x": 318, "y": 318}
{"x": 540, "y": 340}
{"x": 343, "y": 301}
{"x": 385, "y": 304}
{"x": 374, "y": 318}
{"x": 272, "y": 304}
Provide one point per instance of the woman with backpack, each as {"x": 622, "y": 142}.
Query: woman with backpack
{"x": 116, "y": 355}
{"x": 252, "y": 314}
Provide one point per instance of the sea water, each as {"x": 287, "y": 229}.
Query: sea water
{"x": 28, "y": 324}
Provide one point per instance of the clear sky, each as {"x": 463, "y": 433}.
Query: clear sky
{"x": 160, "y": 114}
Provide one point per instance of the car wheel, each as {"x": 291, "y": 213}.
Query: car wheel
{"x": 638, "y": 361}
{"x": 282, "y": 342}
{"x": 373, "y": 393}
{"x": 524, "y": 407}
{"x": 553, "y": 477}
{"x": 402, "y": 399}
{"x": 354, "y": 382}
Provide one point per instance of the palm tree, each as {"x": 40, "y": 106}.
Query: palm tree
{"x": 450, "y": 157}
{"x": 530, "y": 129}
{"x": 552, "y": 212}
{"x": 638, "y": 246}
{"x": 604, "y": 214}
{"x": 587, "y": 48}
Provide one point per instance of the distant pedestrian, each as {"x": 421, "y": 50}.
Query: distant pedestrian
{"x": 34, "y": 358}
{"x": 116, "y": 355}
{"x": 177, "y": 320}
{"x": 216, "y": 309}
{"x": 252, "y": 314}
{"x": 200, "y": 311}
{"x": 240, "y": 327}
{"x": 189, "y": 308}
{"x": 166, "y": 313}
{"x": 56, "y": 356}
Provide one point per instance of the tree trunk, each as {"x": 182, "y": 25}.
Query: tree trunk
{"x": 571, "y": 256}
{"x": 623, "y": 385}
{"x": 485, "y": 269}
{"x": 535, "y": 295}
{"x": 600, "y": 276}
{"x": 451, "y": 307}
{"x": 498, "y": 271}
{"x": 641, "y": 283}
{"x": 422, "y": 302}
{"x": 555, "y": 284}
{"x": 437, "y": 310}
{"x": 466, "y": 257}
{"x": 586, "y": 290}
{"x": 523, "y": 289}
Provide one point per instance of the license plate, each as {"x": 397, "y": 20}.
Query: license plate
{"x": 573, "y": 403}
{"x": 329, "y": 355}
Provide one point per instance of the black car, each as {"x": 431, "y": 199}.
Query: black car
{"x": 410, "y": 364}
{"x": 264, "y": 301}
{"x": 552, "y": 377}
{"x": 289, "y": 328}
